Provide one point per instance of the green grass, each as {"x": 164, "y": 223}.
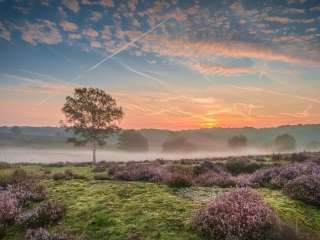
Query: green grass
{"x": 113, "y": 209}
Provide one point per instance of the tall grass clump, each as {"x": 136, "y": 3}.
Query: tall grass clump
{"x": 238, "y": 215}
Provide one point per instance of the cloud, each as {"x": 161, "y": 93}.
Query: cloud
{"x": 103, "y": 3}
{"x": 188, "y": 49}
{"x": 296, "y": 1}
{"x": 281, "y": 20}
{"x": 315, "y": 8}
{"x": 95, "y": 16}
{"x": 207, "y": 69}
{"x": 91, "y": 33}
{"x": 72, "y": 5}
{"x": 4, "y": 32}
{"x": 95, "y": 44}
{"x": 69, "y": 26}
{"x": 43, "y": 31}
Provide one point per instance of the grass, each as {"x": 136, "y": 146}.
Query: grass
{"x": 113, "y": 210}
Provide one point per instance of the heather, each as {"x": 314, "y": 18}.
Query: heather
{"x": 239, "y": 214}
{"x": 159, "y": 199}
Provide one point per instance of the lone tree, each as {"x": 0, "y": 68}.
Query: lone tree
{"x": 238, "y": 142}
{"x": 92, "y": 115}
{"x": 285, "y": 143}
{"x": 133, "y": 141}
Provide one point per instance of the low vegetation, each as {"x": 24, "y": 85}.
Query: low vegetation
{"x": 187, "y": 199}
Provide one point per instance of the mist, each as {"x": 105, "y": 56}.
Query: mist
{"x": 19, "y": 155}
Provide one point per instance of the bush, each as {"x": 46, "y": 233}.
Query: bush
{"x": 263, "y": 177}
{"x": 236, "y": 167}
{"x": 209, "y": 179}
{"x": 305, "y": 188}
{"x": 103, "y": 176}
{"x": 9, "y": 207}
{"x": 207, "y": 166}
{"x": 138, "y": 172}
{"x": 46, "y": 214}
{"x": 37, "y": 234}
{"x": 238, "y": 215}
{"x": 178, "y": 177}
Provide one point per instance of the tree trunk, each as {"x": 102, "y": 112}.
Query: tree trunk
{"x": 94, "y": 161}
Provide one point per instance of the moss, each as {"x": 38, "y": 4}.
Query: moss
{"x": 112, "y": 210}
{"x": 296, "y": 213}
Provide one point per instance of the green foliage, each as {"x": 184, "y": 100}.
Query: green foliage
{"x": 134, "y": 141}
{"x": 92, "y": 115}
{"x": 237, "y": 142}
{"x": 178, "y": 144}
{"x": 285, "y": 143}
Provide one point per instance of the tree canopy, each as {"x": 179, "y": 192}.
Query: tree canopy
{"x": 92, "y": 115}
{"x": 178, "y": 144}
{"x": 237, "y": 142}
{"x": 134, "y": 141}
{"x": 285, "y": 142}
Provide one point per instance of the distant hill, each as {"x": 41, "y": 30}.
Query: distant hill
{"x": 214, "y": 139}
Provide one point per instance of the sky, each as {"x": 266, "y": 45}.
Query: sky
{"x": 171, "y": 64}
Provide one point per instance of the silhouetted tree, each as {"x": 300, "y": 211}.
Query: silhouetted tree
{"x": 313, "y": 145}
{"x": 15, "y": 130}
{"x": 237, "y": 142}
{"x": 178, "y": 144}
{"x": 131, "y": 140}
{"x": 92, "y": 115}
{"x": 285, "y": 143}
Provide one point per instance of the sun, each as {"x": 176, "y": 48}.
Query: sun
{"x": 208, "y": 123}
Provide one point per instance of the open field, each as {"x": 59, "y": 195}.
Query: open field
{"x": 112, "y": 208}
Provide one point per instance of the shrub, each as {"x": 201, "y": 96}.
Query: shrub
{"x": 99, "y": 169}
{"x": 17, "y": 177}
{"x": 263, "y": 177}
{"x": 236, "y": 167}
{"x": 37, "y": 234}
{"x": 46, "y": 214}
{"x": 58, "y": 176}
{"x": 209, "y": 179}
{"x": 9, "y": 207}
{"x": 178, "y": 177}
{"x": 138, "y": 172}
{"x": 286, "y": 174}
{"x": 305, "y": 188}
{"x": 206, "y": 166}
{"x": 238, "y": 215}
{"x": 31, "y": 192}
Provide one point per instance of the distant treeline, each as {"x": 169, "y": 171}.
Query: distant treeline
{"x": 284, "y": 138}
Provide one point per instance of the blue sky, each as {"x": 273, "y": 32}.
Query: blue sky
{"x": 170, "y": 64}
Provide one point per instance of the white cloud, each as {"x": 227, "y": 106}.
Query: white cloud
{"x": 4, "y": 32}
{"x": 72, "y": 5}
{"x": 40, "y": 32}
{"x": 69, "y": 26}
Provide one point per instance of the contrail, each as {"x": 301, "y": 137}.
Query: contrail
{"x": 126, "y": 46}
{"x": 143, "y": 74}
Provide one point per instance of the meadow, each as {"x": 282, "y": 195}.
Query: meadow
{"x": 155, "y": 199}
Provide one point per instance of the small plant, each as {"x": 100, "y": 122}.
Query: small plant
{"x": 305, "y": 188}
{"x": 178, "y": 177}
{"x": 238, "y": 215}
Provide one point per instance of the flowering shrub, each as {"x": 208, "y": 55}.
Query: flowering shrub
{"x": 9, "y": 207}
{"x": 177, "y": 176}
{"x": 263, "y": 177}
{"x": 305, "y": 188}
{"x": 207, "y": 166}
{"x": 138, "y": 172}
{"x": 238, "y": 215}
{"x": 46, "y": 214}
{"x": 209, "y": 179}
{"x": 37, "y": 234}
{"x": 236, "y": 167}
